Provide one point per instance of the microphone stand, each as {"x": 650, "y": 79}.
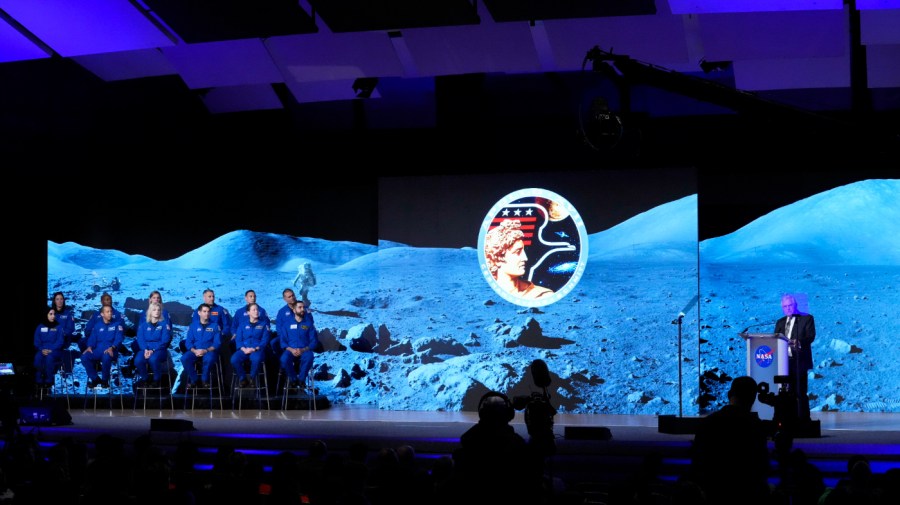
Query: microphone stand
{"x": 680, "y": 403}
{"x": 678, "y": 321}
{"x": 796, "y": 360}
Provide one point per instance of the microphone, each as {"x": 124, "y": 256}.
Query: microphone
{"x": 757, "y": 325}
{"x": 685, "y": 309}
{"x": 688, "y": 306}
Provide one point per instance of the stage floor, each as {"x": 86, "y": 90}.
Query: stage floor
{"x": 264, "y": 434}
{"x": 342, "y": 422}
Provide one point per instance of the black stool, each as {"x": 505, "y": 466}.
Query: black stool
{"x": 259, "y": 389}
{"x": 213, "y": 389}
{"x": 162, "y": 388}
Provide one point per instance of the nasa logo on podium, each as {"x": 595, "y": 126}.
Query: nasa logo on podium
{"x": 765, "y": 356}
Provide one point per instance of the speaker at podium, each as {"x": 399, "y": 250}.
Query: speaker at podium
{"x": 767, "y": 356}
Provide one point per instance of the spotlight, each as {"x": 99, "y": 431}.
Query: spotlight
{"x": 601, "y": 128}
{"x": 364, "y": 86}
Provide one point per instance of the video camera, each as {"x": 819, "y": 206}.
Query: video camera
{"x": 538, "y": 410}
{"x": 784, "y": 402}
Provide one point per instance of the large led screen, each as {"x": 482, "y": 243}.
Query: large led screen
{"x": 472, "y": 279}
{"x": 837, "y": 253}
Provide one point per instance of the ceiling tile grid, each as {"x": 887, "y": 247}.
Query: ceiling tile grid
{"x": 772, "y": 44}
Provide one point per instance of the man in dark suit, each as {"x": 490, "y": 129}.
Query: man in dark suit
{"x": 800, "y": 329}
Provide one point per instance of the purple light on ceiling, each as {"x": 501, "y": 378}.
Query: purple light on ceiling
{"x": 880, "y": 27}
{"x": 781, "y": 35}
{"x": 307, "y": 58}
{"x": 877, "y": 4}
{"x": 86, "y": 26}
{"x": 16, "y": 47}
{"x": 241, "y": 98}
{"x": 718, "y": 6}
{"x": 225, "y": 63}
{"x": 883, "y": 72}
{"x": 123, "y": 65}
{"x": 504, "y": 47}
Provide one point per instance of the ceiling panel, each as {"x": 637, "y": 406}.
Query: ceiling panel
{"x": 659, "y": 40}
{"x": 807, "y": 34}
{"x": 366, "y": 15}
{"x": 229, "y": 63}
{"x": 880, "y": 27}
{"x": 14, "y": 46}
{"x": 212, "y": 20}
{"x": 517, "y": 10}
{"x": 241, "y": 98}
{"x": 719, "y": 6}
{"x": 327, "y": 57}
{"x": 87, "y": 26}
{"x": 877, "y": 4}
{"x": 324, "y": 91}
{"x": 127, "y": 64}
{"x": 506, "y": 47}
{"x": 884, "y": 66}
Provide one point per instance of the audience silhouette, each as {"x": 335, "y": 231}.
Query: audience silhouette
{"x": 730, "y": 457}
{"x": 112, "y": 471}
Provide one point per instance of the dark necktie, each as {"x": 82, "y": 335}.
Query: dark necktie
{"x": 788, "y": 328}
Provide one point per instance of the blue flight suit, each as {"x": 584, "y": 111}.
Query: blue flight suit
{"x": 256, "y": 336}
{"x": 45, "y": 366}
{"x": 298, "y": 335}
{"x": 155, "y": 337}
{"x": 103, "y": 336}
{"x": 201, "y": 336}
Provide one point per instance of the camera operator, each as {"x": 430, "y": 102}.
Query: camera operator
{"x": 730, "y": 455}
{"x": 494, "y": 463}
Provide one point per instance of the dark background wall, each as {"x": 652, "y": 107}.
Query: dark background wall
{"x": 91, "y": 161}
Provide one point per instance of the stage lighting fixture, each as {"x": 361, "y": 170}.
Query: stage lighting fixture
{"x": 601, "y": 128}
{"x": 364, "y": 86}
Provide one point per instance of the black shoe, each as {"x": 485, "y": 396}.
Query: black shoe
{"x": 245, "y": 383}
{"x": 92, "y": 383}
{"x": 104, "y": 384}
{"x": 153, "y": 384}
{"x": 250, "y": 383}
{"x": 140, "y": 383}
{"x": 295, "y": 383}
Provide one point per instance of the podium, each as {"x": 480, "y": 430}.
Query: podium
{"x": 767, "y": 356}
